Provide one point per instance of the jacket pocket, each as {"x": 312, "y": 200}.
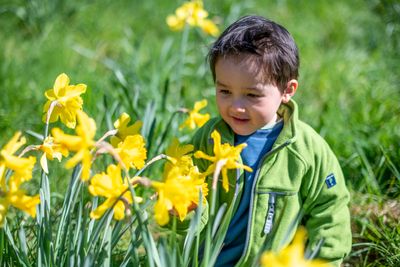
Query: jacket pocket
{"x": 276, "y": 201}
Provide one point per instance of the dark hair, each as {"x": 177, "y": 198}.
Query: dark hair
{"x": 270, "y": 44}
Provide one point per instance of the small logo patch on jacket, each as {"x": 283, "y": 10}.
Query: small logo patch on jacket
{"x": 330, "y": 180}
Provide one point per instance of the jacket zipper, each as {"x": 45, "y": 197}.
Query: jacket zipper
{"x": 246, "y": 244}
{"x": 270, "y": 214}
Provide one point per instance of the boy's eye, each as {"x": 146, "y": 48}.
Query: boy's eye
{"x": 252, "y": 95}
{"x": 224, "y": 91}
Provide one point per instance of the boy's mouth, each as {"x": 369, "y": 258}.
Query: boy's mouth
{"x": 240, "y": 120}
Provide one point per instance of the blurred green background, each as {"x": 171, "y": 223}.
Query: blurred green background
{"x": 124, "y": 51}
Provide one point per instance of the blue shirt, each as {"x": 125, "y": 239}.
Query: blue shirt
{"x": 258, "y": 143}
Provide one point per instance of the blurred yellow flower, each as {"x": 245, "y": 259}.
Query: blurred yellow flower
{"x": 10, "y": 194}
{"x": 124, "y": 130}
{"x": 209, "y": 27}
{"x": 81, "y": 143}
{"x": 223, "y": 152}
{"x": 68, "y": 101}
{"x": 51, "y": 150}
{"x": 195, "y": 118}
{"x": 14, "y": 144}
{"x": 22, "y": 167}
{"x": 292, "y": 255}
{"x": 132, "y": 151}
{"x": 193, "y": 14}
{"x": 14, "y": 196}
{"x": 116, "y": 192}
{"x": 178, "y": 193}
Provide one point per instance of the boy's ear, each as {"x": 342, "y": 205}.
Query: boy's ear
{"x": 291, "y": 88}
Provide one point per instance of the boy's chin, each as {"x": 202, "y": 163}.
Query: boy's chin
{"x": 241, "y": 131}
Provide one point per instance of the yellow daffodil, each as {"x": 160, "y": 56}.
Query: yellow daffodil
{"x": 68, "y": 101}
{"x": 116, "y": 192}
{"x": 132, "y": 151}
{"x": 195, "y": 118}
{"x": 81, "y": 143}
{"x": 178, "y": 193}
{"x": 292, "y": 255}
{"x": 176, "y": 150}
{"x": 22, "y": 167}
{"x": 123, "y": 130}
{"x": 193, "y": 14}
{"x": 223, "y": 152}
{"x": 177, "y": 156}
{"x": 51, "y": 150}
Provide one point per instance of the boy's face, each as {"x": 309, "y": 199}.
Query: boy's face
{"x": 245, "y": 100}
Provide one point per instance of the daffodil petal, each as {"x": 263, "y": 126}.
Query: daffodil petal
{"x": 100, "y": 210}
{"x": 161, "y": 213}
{"x": 62, "y": 81}
{"x": 119, "y": 211}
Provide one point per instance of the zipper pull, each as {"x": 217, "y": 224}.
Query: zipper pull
{"x": 270, "y": 214}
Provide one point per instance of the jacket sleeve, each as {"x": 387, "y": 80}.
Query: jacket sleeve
{"x": 327, "y": 216}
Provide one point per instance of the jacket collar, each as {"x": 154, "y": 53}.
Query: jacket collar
{"x": 289, "y": 113}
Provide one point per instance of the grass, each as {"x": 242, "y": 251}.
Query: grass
{"x": 131, "y": 62}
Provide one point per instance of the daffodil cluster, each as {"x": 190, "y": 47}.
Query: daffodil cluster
{"x": 129, "y": 147}
{"x": 64, "y": 102}
{"x": 193, "y": 14}
{"x": 180, "y": 190}
{"x": 21, "y": 171}
{"x": 223, "y": 152}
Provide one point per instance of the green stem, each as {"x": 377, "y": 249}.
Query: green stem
{"x": 213, "y": 193}
{"x": 148, "y": 241}
{"x": 49, "y": 111}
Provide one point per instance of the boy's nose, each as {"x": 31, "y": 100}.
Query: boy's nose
{"x": 238, "y": 105}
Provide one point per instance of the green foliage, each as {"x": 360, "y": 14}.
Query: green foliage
{"x": 376, "y": 232}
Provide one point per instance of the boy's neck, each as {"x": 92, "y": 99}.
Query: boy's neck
{"x": 272, "y": 123}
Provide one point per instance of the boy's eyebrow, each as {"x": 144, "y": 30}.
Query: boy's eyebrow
{"x": 251, "y": 88}
{"x": 220, "y": 83}
{"x": 254, "y": 89}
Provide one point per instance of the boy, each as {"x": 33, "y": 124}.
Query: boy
{"x": 255, "y": 68}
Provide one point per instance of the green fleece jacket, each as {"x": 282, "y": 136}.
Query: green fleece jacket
{"x": 300, "y": 175}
